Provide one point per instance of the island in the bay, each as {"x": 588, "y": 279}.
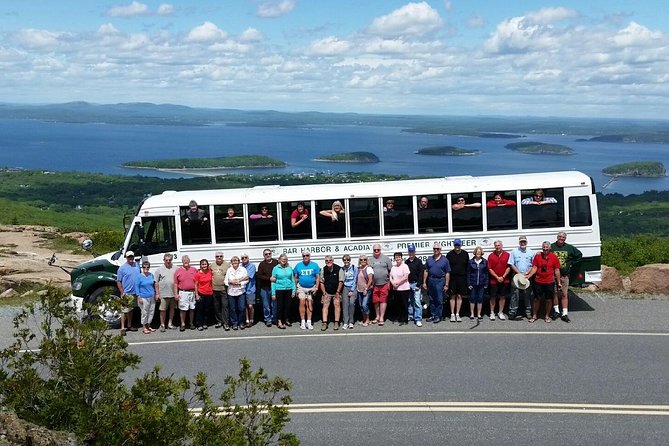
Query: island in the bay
{"x": 350, "y": 157}
{"x": 631, "y": 138}
{"x": 636, "y": 169}
{"x": 223, "y": 162}
{"x": 539, "y": 148}
{"x": 447, "y": 151}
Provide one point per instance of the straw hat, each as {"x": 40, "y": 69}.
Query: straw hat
{"x": 521, "y": 282}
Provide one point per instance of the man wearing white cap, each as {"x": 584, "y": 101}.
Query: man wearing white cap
{"x": 126, "y": 277}
{"x": 520, "y": 261}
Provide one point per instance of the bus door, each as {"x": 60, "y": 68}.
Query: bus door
{"x": 152, "y": 237}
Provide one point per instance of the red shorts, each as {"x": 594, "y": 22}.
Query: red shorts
{"x": 380, "y": 294}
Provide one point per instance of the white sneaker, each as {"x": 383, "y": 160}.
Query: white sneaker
{"x": 457, "y": 318}
{"x": 309, "y": 326}
{"x": 419, "y": 324}
{"x": 303, "y": 326}
{"x": 492, "y": 316}
{"x": 452, "y": 317}
{"x": 501, "y": 316}
{"x": 344, "y": 326}
{"x": 350, "y": 326}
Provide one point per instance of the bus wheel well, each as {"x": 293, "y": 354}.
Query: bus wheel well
{"x": 111, "y": 316}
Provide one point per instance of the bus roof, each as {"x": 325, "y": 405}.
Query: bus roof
{"x": 429, "y": 186}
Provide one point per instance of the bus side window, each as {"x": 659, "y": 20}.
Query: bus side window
{"x": 398, "y": 215}
{"x": 331, "y": 220}
{"x": 549, "y": 215}
{"x": 300, "y": 212}
{"x": 229, "y": 223}
{"x": 262, "y": 223}
{"x": 467, "y": 212}
{"x": 196, "y": 232}
{"x": 160, "y": 235}
{"x": 433, "y": 215}
{"x": 580, "y": 213}
{"x": 501, "y": 210}
{"x": 364, "y": 214}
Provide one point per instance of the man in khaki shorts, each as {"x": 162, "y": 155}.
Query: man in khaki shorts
{"x": 184, "y": 292}
{"x": 308, "y": 276}
{"x": 165, "y": 278}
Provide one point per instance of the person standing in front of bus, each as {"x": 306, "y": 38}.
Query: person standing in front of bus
{"x": 546, "y": 267}
{"x": 264, "y": 284}
{"x": 250, "y": 290}
{"x": 332, "y": 283}
{"x": 184, "y": 292}
{"x": 126, "y": 276}
{"x": 146, "y": 296}
{"x": 348, "y": 294}
{"x": 520, "y": 261}
{"x": 381, "y": 264}
{"x": 236, "y": 279}
{"x": 415, "y": 307}
{"x": 435, "y": 280}
{"x": 568, "y": 255}
{"x": 399, "y": 279}
{"x": 204, "y": 294}
{"x": 308, "y": 275}
{"x": 221, "y": 305}
{"x": 477, "y": 282}
{"x": 499, "y": 270}
{"x": 282, "y": 289}
{"x": 364, "y": 284}
{"x": 458, "y": 259}
{"x": 165, "y": 280}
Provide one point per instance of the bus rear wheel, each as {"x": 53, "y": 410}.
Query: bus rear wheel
{"x": 109, "y": 315}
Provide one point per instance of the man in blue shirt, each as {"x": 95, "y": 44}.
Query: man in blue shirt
{"x": 435, "y": 281}
{"x": 250, "y": 290}
{"x": 126, "y": 278}
{"x": 520, "y": 261}
{"x": 308, "y": 275}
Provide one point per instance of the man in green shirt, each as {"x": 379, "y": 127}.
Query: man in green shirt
{"x": 568, "y": 256}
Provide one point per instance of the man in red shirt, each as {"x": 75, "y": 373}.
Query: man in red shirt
{"x": 546, "y": 266}
{"x": 184, "y": 292}
{"x": 499, "y": 269}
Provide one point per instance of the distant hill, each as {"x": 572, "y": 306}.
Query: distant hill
{"x": 539, "y": 148}
{"x": 637, "y": 169}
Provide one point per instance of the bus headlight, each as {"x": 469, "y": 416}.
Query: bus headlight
{"x": 76, "y": 286}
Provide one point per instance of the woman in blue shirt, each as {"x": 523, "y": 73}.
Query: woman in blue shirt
{"x": 283, "y": 289}
{"x": 145, "y": 288}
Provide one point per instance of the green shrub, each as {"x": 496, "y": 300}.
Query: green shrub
{"x": 627, "y": 253}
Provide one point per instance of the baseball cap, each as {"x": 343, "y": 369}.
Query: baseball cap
{"x": 411, "y": 248}
{"x": 522, "y": 238}
{"x": 129, "y": 254}
{"x": 457, "y": 242}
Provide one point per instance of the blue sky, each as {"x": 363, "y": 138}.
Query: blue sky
{"x": 460, "y": 57}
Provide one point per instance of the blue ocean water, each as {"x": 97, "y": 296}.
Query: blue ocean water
{"x": 99, "y": 147}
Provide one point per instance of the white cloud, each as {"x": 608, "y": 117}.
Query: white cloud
{"x": 275, "y": 8}
{"x": 637, "y": 35}
{"x": 329, "y": 46}
{"x": 547, "y": 16}
{"x": 207, "y": 32}
{"x": 251, "y": 35}
{"x": 131, "y": 10}
{"x": 410, "y": 19}
{"x": 37, "y": 38}
{"x": 166, "y": 9}
{"x": 107, "y": 29}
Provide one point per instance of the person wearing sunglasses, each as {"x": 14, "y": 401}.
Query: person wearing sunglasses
{"x": 546, "y": 269}
{"x": 308, "y": 276}
{"x": 165, "y": 292}
{"x": 146, "y": 296}
{"x": 538, "y": 198}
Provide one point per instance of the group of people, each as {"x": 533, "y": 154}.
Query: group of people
{"x": 224, "y": 293}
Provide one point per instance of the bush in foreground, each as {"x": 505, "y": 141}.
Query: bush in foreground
{"x": 66, "y": 374}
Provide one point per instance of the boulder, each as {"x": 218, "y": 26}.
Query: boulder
{"x": 651, "y": 279}
{"x": 8, "y": 293}
{"x": 611, "y": 279}
{"x": 14, "y": 431}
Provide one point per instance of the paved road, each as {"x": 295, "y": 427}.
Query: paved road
{"x": 602, "y": 379}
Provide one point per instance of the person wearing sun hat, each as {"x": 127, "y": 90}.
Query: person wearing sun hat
{"x": 520, "y": 261}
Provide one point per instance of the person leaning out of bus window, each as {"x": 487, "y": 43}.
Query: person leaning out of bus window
{"x": 538, "y": 198}
{"x": 461, "y": 203}
{"x": 145, "y": 284}
{"x": 335, "y": 213}
{"x": 231, "y": 214}
{"x": 499, "y": 201}
{"x": 477, "y": 282}
{"x": 194, "y": 214}
{"x": 423, "y": 203}
{"x": 299, "y": 215}
{"x": 264, "y": 213}
{"x": 389, "y": 208}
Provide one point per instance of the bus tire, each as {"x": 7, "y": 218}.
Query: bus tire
{"x": 112, "y": 317}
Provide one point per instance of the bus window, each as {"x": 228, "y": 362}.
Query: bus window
{"x": 195, "y": 229}
{"x": 432, "y": 214}
{"x": 296, "y": 220}
{"x": 398, "y": 215}
{"x": 331, "y": 221}
{"x": 467, "y": 212}
{"x": 364, "y": 214}
{"x": 501, "y": 210}
{"x": 262, "y": 223}
{"x": 542, "y": 208}
{"x": 579, "y": 211}
{"x": 229, "y": 223}
{"x": 160, "y": 236}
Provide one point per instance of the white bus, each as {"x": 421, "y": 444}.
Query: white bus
{"x": 389, "y": 213}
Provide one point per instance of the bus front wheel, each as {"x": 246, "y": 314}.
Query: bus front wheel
{"x": 109, "y": 315}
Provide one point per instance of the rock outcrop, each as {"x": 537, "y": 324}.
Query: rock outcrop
{"x": 611, "y": 279}
{"x": 651, "y": 279}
